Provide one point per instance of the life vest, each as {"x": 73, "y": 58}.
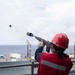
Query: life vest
{"x": 51, "y": 64}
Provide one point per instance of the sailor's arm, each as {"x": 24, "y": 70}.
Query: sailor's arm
{"x": 39, "y": 51}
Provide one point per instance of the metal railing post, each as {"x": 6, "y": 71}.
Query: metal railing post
{"x": 32, "y": 68}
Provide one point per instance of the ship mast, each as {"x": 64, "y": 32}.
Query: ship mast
{"x": 28, "y": 49}
{"x": 74, "y": 49}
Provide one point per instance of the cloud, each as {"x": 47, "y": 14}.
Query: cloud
{"x": 44, "y": 18}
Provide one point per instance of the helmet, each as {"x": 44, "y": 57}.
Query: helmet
{"x": 61, "y": 40}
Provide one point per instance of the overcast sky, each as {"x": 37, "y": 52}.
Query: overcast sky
{"x": 44, "y": 18}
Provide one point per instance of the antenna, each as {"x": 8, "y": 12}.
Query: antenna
{"x": 74, "y": 49}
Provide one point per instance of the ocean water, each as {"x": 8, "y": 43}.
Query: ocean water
{"x": 22, "y": 49}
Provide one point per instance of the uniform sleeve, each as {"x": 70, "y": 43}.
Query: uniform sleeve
{"x": 38, "y": 53}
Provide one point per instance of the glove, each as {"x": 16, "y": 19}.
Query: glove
{"x": 42, "y": 43}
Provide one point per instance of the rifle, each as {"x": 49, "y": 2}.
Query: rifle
{"x": 47, "y": 43}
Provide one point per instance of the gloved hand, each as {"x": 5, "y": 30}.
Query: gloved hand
{"x": 42, "y": 43}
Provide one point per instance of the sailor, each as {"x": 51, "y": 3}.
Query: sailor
{"x": 56, "y": 62}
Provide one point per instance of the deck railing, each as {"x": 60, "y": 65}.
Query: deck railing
{"x": 33, "y": 65}
{"x": 29, "y": 68}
